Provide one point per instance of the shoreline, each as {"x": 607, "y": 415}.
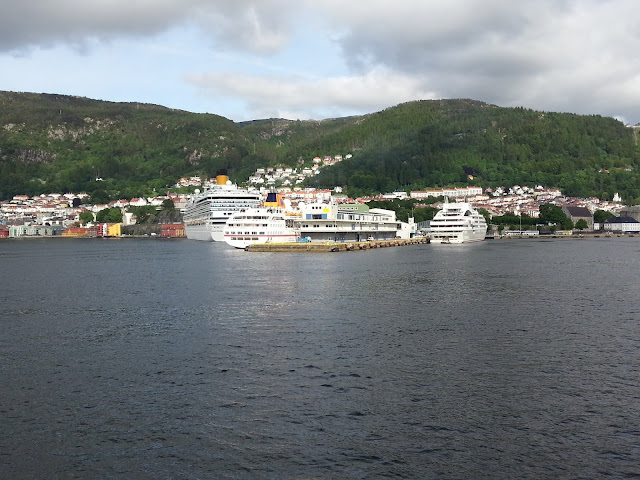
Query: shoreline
{"x": 581, "y": 235}
{"x": 345, "y": 245}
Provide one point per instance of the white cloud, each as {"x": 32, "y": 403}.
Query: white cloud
{"x": 564, "y": 55}
{"x": 272, "y": 96}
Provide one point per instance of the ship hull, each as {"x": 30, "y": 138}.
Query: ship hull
{"x": 198, "y": 232}
{"x": 460, "y": 237}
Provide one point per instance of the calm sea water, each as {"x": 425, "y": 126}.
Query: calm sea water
{"x": 169, "y": 359}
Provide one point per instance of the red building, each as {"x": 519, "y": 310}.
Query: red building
{"x": 173, "y": 230}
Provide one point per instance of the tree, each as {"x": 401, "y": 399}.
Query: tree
{"x": 99, "y": 197}
{"x": 550, "y": 213}
{"x": 168, "y": 204}
{"x": 567, "y": 224}
{"x": 485, "y": 213}
{"x": 144, "y": 214}
{"x": 85, "y": 217}
{"x": 581, "y": 224}
{"x": 109, "y": 215}
{"x": 601, "y": 215}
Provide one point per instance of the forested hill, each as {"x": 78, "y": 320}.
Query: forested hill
{"x": 440, "y": 143}
{"x": 57, "y": 143}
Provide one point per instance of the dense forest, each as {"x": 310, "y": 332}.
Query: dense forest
{"x": 58, "y": 143}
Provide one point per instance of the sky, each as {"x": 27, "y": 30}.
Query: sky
{"x": 316, "y": 59}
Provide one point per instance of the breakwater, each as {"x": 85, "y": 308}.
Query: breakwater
{"x": 332, "y": 246}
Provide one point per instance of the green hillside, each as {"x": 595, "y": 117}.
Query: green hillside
{"x": 57, "y": 143}
{"x": 439, "y": 143}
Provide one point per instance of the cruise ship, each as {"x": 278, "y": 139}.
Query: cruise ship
{"x": 260, "y": 225}
{"x": 272, "y": 223}
{"x": 457, "y": 223}
{"x": 208, "y": 211}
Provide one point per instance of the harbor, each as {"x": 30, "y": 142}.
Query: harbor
{"x": 334, "y": 246}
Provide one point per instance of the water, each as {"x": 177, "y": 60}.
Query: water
{"x": 169, "y": 359}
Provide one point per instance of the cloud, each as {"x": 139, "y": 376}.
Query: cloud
{"x": 562, "y": 55}
{"x": 259, "y": 26}
{"x": 565, "y": 54}
{"x": 279, "y": 96}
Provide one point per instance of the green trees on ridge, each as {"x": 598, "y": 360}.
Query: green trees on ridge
{"x": 57, "y": 143}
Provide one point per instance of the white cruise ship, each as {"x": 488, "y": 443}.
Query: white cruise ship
{"x": 457, "y": 223}
{"x": 260, "y": 225}
{"x": 207, "y": 212}
{"x": 272, "y": 223}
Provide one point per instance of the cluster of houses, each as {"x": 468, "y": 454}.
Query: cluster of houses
{"x": 98, "y": 230}
{"x": 287, "y": 176}
{"x": 59, "y": 215}
{"x": 274, "y": 176}
{"x": 523, "y": 200}
{"x": 54, "y": 214}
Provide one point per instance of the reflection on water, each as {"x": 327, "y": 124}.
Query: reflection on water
{"x": 179, "y": 359}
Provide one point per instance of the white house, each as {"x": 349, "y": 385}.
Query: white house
{"x": 622, "y": 225}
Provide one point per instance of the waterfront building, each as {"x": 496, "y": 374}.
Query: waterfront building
{"x": 173, "y": 230}
{"x": 109, "y": 230}
{"x": 76, "y": 232}
{"x": 322, "y": 222}
{"x": 622, "y": 225}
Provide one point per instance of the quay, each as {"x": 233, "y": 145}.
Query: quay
{"x": 561, "y": 236}
{"x": 333, "y": 246}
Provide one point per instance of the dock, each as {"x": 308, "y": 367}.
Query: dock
{"x": 333, "y": 246}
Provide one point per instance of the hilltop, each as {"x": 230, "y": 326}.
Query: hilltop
{"x": 59, "y": 143}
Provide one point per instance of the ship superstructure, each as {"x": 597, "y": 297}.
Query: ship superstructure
{"x": 208, "y": 211}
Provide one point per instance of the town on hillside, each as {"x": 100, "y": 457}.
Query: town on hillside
{"x": 71, "y": 214}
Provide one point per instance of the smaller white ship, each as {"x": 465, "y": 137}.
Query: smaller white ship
{"x": 269, "y": 224}
{"x": 457, "y": 223}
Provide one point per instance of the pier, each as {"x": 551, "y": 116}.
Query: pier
{"x": 334, "y": 246}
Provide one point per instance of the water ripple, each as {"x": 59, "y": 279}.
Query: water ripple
{"x": 189, "y": 360}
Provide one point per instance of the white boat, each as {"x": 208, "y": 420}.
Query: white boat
{"x": 260, "y": 225}
{"x": 208, "y": 211}
{"x": 457, "y": 223}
